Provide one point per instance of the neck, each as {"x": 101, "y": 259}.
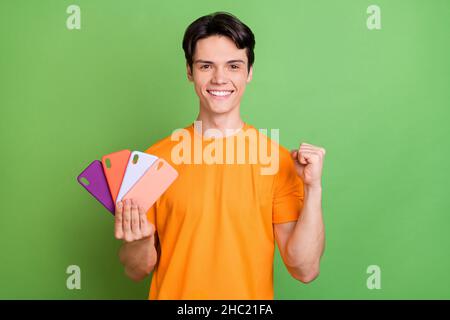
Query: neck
{"x": 227, "y": 123}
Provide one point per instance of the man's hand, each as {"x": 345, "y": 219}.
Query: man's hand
{"x": 138, "y": 252}
{"x": 131, "y": 223}
{"x": 309, "y": 163}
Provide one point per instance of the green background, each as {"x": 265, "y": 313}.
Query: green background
{"x": 377, "y": 100}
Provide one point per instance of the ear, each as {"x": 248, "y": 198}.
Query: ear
{"x": 250, "y": 75}
{"x": 189, "y": 73}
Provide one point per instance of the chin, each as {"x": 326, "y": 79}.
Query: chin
{"x": 220, "y": 109}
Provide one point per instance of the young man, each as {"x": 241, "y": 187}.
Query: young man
{"x": 212, "y": 234}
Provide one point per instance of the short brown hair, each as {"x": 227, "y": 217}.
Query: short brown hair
{"x": 219, "y": 23}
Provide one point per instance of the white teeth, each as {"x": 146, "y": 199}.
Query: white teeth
{"x": 220, "y": 93}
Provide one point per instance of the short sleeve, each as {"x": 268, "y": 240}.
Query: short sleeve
{"x": 288, "y": 191}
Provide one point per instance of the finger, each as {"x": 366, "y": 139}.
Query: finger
{"x": 147, "y": 228}
{"x": 296, "y": 155}
{"x": 307, "y": 149}
{"x": 128, "y": 235}
{"x": 118, "y": 228}
{"x": 308, "y": 157}
{"x": 313, "y": 149}
{"x": 135, "y": 228}
{"x": 301, "y": 158}
{"x": 308, "y": 146}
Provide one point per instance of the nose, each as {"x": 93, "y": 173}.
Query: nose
{"x": 219, "y": 77}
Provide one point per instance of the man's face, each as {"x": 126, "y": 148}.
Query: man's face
{"x": 219, "y": 73}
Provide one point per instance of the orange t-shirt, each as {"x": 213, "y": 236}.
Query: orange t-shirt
{"x": 214, "y": 224}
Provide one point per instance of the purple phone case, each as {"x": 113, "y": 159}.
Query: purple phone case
{"x": 98, "y": 186}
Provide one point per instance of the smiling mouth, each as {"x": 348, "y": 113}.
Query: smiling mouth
{"x": 220, "y": 93}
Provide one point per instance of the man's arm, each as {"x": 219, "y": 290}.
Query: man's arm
{"x": 138, "y": 253}
{"x": 302, "y": 242}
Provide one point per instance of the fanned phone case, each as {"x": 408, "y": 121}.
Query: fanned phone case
{"x": 114, "y": 166}
{"x": 138, "y": 164}
{"x": 152, "y": 184}
{"x": 94, "y": 181}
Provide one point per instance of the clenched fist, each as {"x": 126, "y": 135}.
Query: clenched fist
{"x": 308, "y": 160}
{"x": 131, "y": 222}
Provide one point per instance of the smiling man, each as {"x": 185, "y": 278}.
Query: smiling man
{"x": 212, "y": 234}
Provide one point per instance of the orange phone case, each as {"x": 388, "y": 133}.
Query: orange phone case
{"x": 114, "y": 166}
{"x": 152, "y": 184}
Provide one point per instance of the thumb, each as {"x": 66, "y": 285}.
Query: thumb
{"x": 148, "y": 229}
{"x": 299, "y": 160}
{"x": 152, "y": 228}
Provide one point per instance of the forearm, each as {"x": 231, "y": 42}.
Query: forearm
{"x": 307, "y": 241}
{"x": 138, "y": 257}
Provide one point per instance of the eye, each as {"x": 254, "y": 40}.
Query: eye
{"x": 205, "y": 66}
{"x": 234, "y": 66}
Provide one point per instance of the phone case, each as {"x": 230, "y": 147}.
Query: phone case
{"x": 153, "y": 184}
{"x": 114, "y": 166}
{"x": 138, "y": 164}
{"x": 94, "y": 181}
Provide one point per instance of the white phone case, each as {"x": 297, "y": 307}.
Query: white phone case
{"x": 138, "y": 164}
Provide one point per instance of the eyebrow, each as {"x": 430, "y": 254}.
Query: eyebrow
{"x": 210, "y": 62}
